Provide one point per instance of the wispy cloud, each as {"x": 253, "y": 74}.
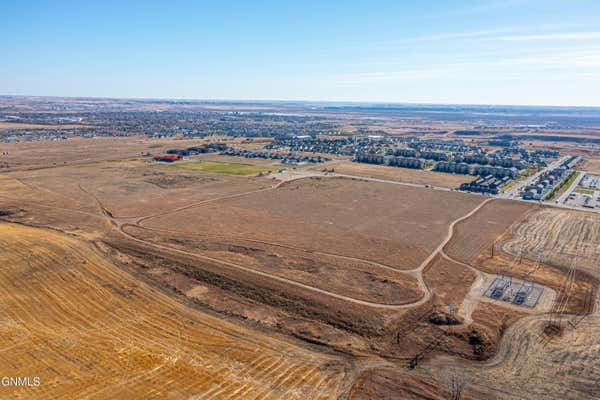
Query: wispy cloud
{"x": 577, "y": 63}
{"x": 456, "y": 35}
{"x": 553, "y": 36}
{"x": 561, "y": 31}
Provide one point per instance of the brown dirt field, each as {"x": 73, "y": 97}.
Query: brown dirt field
{"x": 88, "y": 329}
{"x": 400, "y": 174}
{"x": 450, "y": 282}
{"x": 390, "y": 384}
{"x": 350, "y": 278}
{"x": 474, "y": 238}
{"x": 129, "y": 188}
{"x": 494, "y": 316}
{"x": 479, "y": 232}
{"x": 561, "y": 237}
{"x": 591, "y": 165}
{"x": 179, "y": 277}
{"x": 31, "y": 155}
{"x": 294, "y": 299}
{"x": 367, "y": 220}
{"x": 492, "y": 320}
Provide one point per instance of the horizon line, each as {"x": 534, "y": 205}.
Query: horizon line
{"x": 250, "y": 101}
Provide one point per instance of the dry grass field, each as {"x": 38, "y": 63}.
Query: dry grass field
{"x": 391, "y": 384}
{"x": 401, "y": 174}
{"x": 494, "y": 226}
{"x": 480, "y": 232}
{"x": 560, "y": 237}
{"x": 592, "y": 164}
{"x": 130, "y": 188}
{"x": 449, "y": 281}
{"x": 77, "y": 151}
{"x": 90, "y": 330}
{"x": 364, "y": 220}
{"x": 353, "y": 278}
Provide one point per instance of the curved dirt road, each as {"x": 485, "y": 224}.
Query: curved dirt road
{"x": 416, "y": 272}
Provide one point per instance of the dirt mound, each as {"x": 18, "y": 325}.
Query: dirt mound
{"x": 444, "y": 318}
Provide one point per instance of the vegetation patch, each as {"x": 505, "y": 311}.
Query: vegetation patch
{"x": 583, "y": 190}
{"x": 223, "y": 167}
{"x": 508, "y": 186}
{"x": 560, "y": 189}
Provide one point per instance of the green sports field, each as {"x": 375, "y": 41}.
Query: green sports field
{"x": 222, "y": 167}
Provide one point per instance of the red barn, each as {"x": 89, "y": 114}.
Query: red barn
{"x": 168, "y": 158}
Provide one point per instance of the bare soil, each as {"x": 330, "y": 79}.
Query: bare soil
{"x": 480, "y": 232}
{"x": 365, "y": 220}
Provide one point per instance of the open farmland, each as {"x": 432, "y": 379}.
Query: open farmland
{"x": 89, "y": 330}
{"x": 449, "y": 281}
{"x": 352, "y": 278}
{"x": 560, "y": 237}
{"x": 490, "y": 229}
{"x": 78, "y": 151}
{"x": 390, "y": 384}
{"x": 417, "y": 176}
{"x": 592, "y": 162}
{"x": 128, "y": 188}
{"x": 356, "y": 219}
{"x": 479, "y": 234}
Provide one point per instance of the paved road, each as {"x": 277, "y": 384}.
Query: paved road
{"x": 563, "y": 198}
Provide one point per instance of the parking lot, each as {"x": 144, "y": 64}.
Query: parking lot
{"x": 589, "y": 199}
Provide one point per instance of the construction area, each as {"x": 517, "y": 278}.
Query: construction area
{"x": 293, "y": 284}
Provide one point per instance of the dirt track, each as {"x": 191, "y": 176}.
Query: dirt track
{"x": 529, "y": 366}
{"x": 416, "y": 272}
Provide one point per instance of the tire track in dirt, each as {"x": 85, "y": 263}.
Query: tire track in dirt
{"x": 416, "y": 272}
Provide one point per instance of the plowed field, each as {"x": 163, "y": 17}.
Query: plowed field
{"x": 560, "y": 237}
{"x": 90, "y": 330}
{"x": 389, "y": 224}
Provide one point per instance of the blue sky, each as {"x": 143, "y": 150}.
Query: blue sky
{"x": 543, "y": 52}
